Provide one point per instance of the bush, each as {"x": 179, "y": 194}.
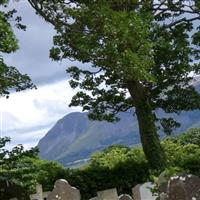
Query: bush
{"x": 115, "y": 167}
{"x": 186, "y": 157}
{"x": 10, "y": 190}
{"x": 192, "y": 136}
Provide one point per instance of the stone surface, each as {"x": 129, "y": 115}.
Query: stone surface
{"x": 163, "y": 196}
{"x": 125, "y": 197}
{"x": 63, "y": 191}
{"x": 180, "y": 187}
{"x": 143, "y": 192}
{"x": 110, "y": 194}
{"x": 39, "y": 193}
{"x": 162, "y": 182}
{"x": 136, "y": 192}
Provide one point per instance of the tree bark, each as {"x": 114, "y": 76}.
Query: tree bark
{"x": 148, "y": 132}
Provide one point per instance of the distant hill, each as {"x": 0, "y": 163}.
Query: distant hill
{"x": 74, "y": 137}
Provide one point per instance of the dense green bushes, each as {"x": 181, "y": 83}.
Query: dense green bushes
{"x": 117, "y": 166}
{"x": 25, "y": 169}
{"x": 192, "y": 136}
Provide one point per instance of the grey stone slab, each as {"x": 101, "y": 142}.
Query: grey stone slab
{"x": 63, "y": 191}
{"x": 143, "y": 192}
{"x": 110, "y": 194}
{"x": 136, "y": 192}
{"x": 39, "y": 193}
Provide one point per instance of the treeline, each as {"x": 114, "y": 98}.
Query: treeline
{"x": 116, "y": 166}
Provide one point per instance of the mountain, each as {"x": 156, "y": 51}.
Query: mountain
{"x": 74, "y": 137}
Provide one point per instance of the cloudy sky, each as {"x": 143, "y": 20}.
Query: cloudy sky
{"x": 27, "y": 116}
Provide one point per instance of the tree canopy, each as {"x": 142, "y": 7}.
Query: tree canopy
{"x": 140, "y": 54}
{"x": 10, "y": 77}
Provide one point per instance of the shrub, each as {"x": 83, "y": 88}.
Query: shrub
{"x": 192, "y": 136}
{"x": 115, "y": 167}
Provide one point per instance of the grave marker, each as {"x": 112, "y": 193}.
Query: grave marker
{"x": 143, "y": 192}
{"x": 63, "y": 191}
{"x": 110, "y": 194}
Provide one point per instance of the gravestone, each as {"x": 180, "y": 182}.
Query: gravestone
{"x": 39, "y": 193}
{"x": 180, "y": 187}
{"x": 125, "y": 197}
{"x": 63, "y": 191}
{"x": 136, "y": 192}
{"x": 110, "y": 194}
{"x": 143, "y": 192}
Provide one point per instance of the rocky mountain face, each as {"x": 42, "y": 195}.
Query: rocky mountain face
{"x": 74, "y": 137}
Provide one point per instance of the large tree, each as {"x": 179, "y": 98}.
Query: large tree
{"x": 140, "y": 53}
{"x": 10, "y": 78}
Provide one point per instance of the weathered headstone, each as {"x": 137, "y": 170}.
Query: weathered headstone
{"x": 39, "y": 193}
{"x": 63, "y": 191}
{"x": 180, "y": 187}
{"x": 110, "y": 194}
{"x": 136, "y": 192}
{"x": 143, "y": 192}
{"x": 125, "y": 197}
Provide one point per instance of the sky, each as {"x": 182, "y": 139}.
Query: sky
{"x": 27, "y": 116}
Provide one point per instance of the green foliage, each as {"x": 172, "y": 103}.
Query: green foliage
{"x": 141, "y": 55}
{"x": 25, "y": 169}
{"x": 129, "y": 45}
{"x": 117, "y": 166}
{"x": 10, "y": 77}
{"x": 192, "y": 136}
{"x": 11, "y": 190}
{"x": 185, "y": 157}
{"x": 110, "y": 157}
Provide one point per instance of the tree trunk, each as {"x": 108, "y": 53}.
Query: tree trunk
{"x": 149, "y": 137}
{"x": 148, "y": 132}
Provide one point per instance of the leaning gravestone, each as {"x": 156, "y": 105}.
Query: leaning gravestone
{"x": 110, "y": 194}
{"x": 180, "y": 187}
{"x": 143, "y": 192}
{"x": 63, "y": 191}
{"x": 125, "y": 197}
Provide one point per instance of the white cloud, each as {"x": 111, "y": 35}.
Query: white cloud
{"x": 34, "y": 45}
{"x": 28, "y": 115}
